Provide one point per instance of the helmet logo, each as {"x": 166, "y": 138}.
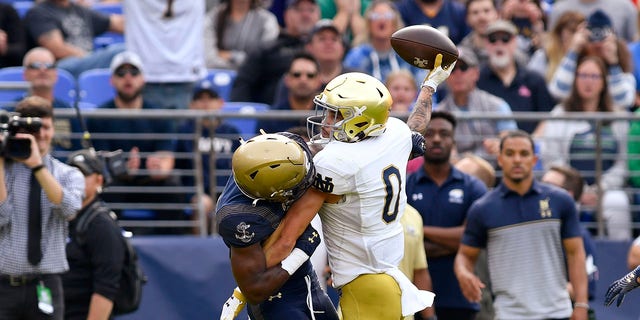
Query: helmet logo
{"x": 243, "y": 235}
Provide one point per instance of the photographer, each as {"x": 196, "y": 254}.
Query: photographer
{"x": 597, "y": 37}
{"x": 96, "y": 251}
{"x": 39, "y": 194}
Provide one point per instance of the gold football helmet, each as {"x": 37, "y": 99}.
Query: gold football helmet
{"x": 273, "y": 167}
{"x": 352, "y": 106}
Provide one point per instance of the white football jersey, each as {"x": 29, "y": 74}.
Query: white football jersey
{"x": 363, "y": 233}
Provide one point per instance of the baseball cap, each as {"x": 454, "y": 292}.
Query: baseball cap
{"x": 501, "y": 26}
{"x": 599, "y": 24}
{"x": 324, "y": 24}
{"x": 291, "y": 3}
{"x": 468, "y": 56}
{"x": 204, "y": 86}
{"x": 86, "y": 160}
{"x": 126, "y": 57}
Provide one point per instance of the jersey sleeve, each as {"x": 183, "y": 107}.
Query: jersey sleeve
{"x": 243, "y": 230}
{"x": 333, "y": 174}
{"x": 475, "y": 232}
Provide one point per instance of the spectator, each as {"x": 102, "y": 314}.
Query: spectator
{"x": 348, "y": 15}
{"x": 473, "y": 165}
{"x": 529, "y": 19}
{"x": 573, "y": 142}
{"x": 326, "y": 46}
{"x": 168, "y": 36}
{"x": 445, "y": 15}
{"x": 443, "y": 194}
{"x": 403, "y": 89}
{"x": 622, "y": 12}
{"x": 374, "y": 55}
{"x": 522, "y": 89}
{"x": 480, "y": 14}
{"x": 67, "y": 30}
{"x": 524, "y": 225}
{"x": 150, "y": 162}
{"x": 303, "y": 83}
{"x": 477, "y": 136}
{"x": 218, "y": 139}
{"x": 40, "y": 71}
{"x": 258, "y": 77}
{"x": 12, "y": 37}
{"x": 38, "y": 195}
{"x": 96, "y": 253}
{"x": 570, "y": 180}
{"x": 546, "y": 60}
{"x": 234, "y": 28}
{"x": 414, "y": 260}
{"x": 596, "y": 38}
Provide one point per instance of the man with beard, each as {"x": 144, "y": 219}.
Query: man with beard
{"x": 443, "y": 194}
{"x": 128, "y": 81}
{"x": 302, "y": 82}
{"x": 525, "y": 225}
{"x": 522, "y": 89}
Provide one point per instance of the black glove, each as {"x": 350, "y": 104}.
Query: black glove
{"x": 621, "y": 286}
{"x": 308, "y": 241}
{"x": 417, "y": 148}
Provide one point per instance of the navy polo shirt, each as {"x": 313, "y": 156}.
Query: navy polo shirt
{"x": 444, "y": 206}
{"x": 526, "y": 93}
{"x": 523, "y": 235}
{"x": 502, "y": 208}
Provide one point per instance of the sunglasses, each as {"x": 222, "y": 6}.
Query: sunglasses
{"x": 376, "y": 16}
{"x": 123, "y": 72}
{"x": 310, "y": 75}
{"x": 41, "y": 65}
{"x": 461, "y": 66}
{"x": 505, "y": 38}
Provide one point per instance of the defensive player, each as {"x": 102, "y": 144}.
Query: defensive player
{"x": 270, "y": 171}
{"x": 359, "y": 193}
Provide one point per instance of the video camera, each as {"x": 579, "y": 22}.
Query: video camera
{"x": 12, "y": 123}
{"x": 110, "y": 165}
{"x": 115, "y": 165}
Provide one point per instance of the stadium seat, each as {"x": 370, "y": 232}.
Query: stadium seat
{"x": 65, "y": 88}
{"x": 107, "y": 38}
{"x": 246, "y": 126}
{"x": 94, "y": 87}
{"x": 222, "y": 80}
{"x": 108, "y": 7}
{"x": 22, "y": 7}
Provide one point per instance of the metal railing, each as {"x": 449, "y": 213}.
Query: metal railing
{"x": 200, "y": 223}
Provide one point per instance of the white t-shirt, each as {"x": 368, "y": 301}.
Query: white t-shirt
{"x": 170, "y": 48}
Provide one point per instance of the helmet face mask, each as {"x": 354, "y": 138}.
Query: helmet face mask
{"x": 274, "y": 168}
{"x": 352, "y": 107}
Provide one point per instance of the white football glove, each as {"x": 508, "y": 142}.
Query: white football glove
{"x": 233, "y": 305}
{"x": 437, "y": 75}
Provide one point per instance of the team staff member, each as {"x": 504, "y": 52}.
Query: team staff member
{"x": 524, "y": 225}
{"x": 443, "y": 194}
{"x": 38, "y": 195}
{"x": 96, "y": 254}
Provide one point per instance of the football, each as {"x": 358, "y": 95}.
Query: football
{"x": 419, "y": 45}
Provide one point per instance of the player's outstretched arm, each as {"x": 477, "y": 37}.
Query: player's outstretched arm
{"x": 621, "y": 286}
{"x": 421, "y": 114}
